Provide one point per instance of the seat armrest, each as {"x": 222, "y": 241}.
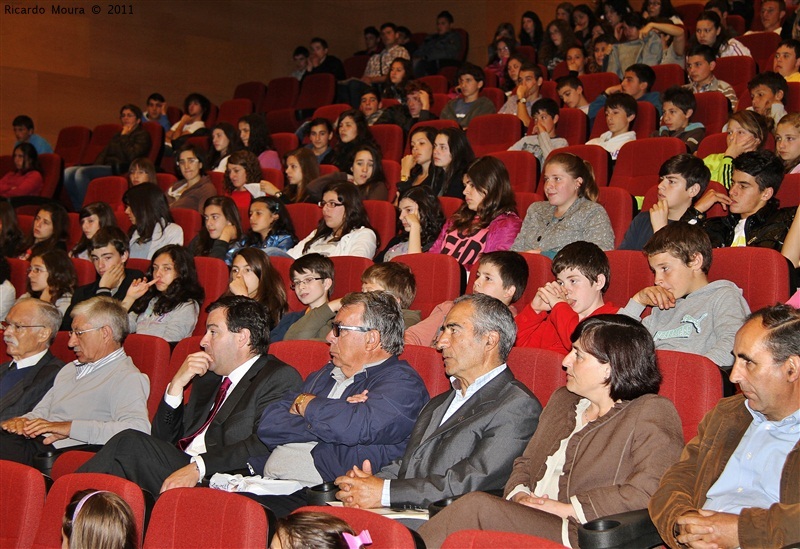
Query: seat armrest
{"x": 631, "y": 530}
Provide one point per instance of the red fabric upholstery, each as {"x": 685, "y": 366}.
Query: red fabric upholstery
{"x": 326, "y": 169}
{"x": 489, "y": 78}
{"x": 668, "y": 75}
{"x": 22, "y": 496}
{"x": 305, "y": 218}
{"x": 438, "y": 278}
{"x": 462, "y": 51}
{"x": 75, "y": 232}
{"x": 51, "y": 168}
{"x": 274, "y": 176}
{"x": 189, "y": 220}
{"x": 382, "y": 216}
{"x": 282, "y": 265}
{"x": 331, "y": 112}
{"x": 180, "y": 519}
{"x": 524, "y": 201}
{"x": 437, "y": 82}
{"x": 712, "y": 144}
{"x": 496, "y": 95}
{"x": 630, "y": 272}
{"x": 254, "y": 91}
{"x": 355, "y": 66}
{"x": 619, "y": 206}
{"x": 449, "y": 205}
{"x": 789, "y": 193}
{"x": 489, "y": 539}
{"x": 282, "y": 120}
{"x": 69, "y": 461}
{"x": 738, "y": 69}
{"x": 316, "y": 90}
{"x": 595, "y": 84}
{"x": 202, "y": 141}
{"x": 549, "y": 89}
{"x": 218, "y": 179}
{"x": 71, "y": 143}
{"x": 523, "y": 169}
{"x": 281, "y": 94}
{"x": 573, "y": 125}
{"x": 639, "y": 162}
{"x": 60, "y": 347}
{"x": 427, "y": 362}
{"x": 211, "y": 117}
{"x": 60, "y": 494}
{"x": 165, "y": 181}
{"x": 438, "y": 103}
{"x": 285, "y": 143}
{"x": 19, "y": 273}
{"x": 386, "y": 533}
{"x": 437, "y": 124}
{"x": 737, "y": 24}
{"x": 792, "y": 99}
{"x": 138, "y": 263}
{"x": 761, "y": 46}
{"x": 212, "y": 273}
{"x": 711, "y": 111}
{"x": 85, "y": 271}
{"x": 761, "y": 273}
{"x": 597, "y": 156}
{"x": 101, "y": 135}
{"x": 528, "y": 52}
{"x": 156, "y": 132}
{"x": 348, "y": 270}
{"x": 693, "y": 383}
{"x": 232, "y": 110}
{"x": 689, "y": 14}
{"x": 151, "y": 355}
{"x": 644, "y": 124}
{"x": 6, "y": 164}
{"x": 107, "y": 189}
{"x": 539, "y": 369}
{"x": 390, "y": 140}
{"x": 391, "y": 171}
{"x": 3, "y": 352}
{"x": 305, "y": 356}
{"x": 559, "y": 70}
{"x": 493, "y": 133}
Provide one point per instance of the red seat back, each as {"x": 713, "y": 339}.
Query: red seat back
{"x": 60, "y": 347}
{"x": 549, "y": 89}
{"x": 689, "y": 14}
{"x": 69, "y": 462}
{"x": 438, "y": 278}
{"x": 450, "y": 204}
{"x": 668, "y": 75}
{"x": 427, "y": 362}
{"x": 714, "y": 143}
{"x": 72, "y": 142}
{"x": 597, "y": 156}
{"x": 618, "y": 203}
{"x": 573, "y": 125}
{"x": 738, "y": 69}
{"x": 524, "y": 201}
{"x": 281, "y": 94}
{"x": 630, "y": 272}
{"x": 761, "y": 273}
{"x": 316, "y": 90}
{"x": 254, "y": 91}
{"x": 559, "y": 70}
{"x": 493, "y": 133}
{"x": 51, "y": 167}
{"x": 305, "y": 356}
{"x": 639, "y": 162}
{"x": 282, "y": 265}
{"x": 391, "y": 172}
{"x": 528, "y": 52}
{"x": 355, "y": 66}
{"x": 285, "y": 143}
{"x": 189, "y": 220}
{"x": 165, "y": 181}
{"x": 789, "y": 193}
{"x": 792, "y": 99}
{"x": 212, "y": 273}
{"x": 151, "y": 355}
{"x": 107, "y": 189}
{"x": 386, "y": 533}
{"x": 761, "y": 45}
{"x": 85, "y": 271}
{"x": 539, "y": 369}
{"x": 596, "y": 83}
{"x": 711, "y": 111}
{"x": 390, "y": 140}
{"x": 101, "y": 135}
{"x": 349, "y": 269}
{"x": 232, "y": 110}
{"x": 305, "y": 218}
{"x": 156, "y": 132}
{"x": 496, "y": 96}
{"x": 22, "y": 495}
{"x": 523, "y": 169}
{"x": 331, "y": 112}
{"x": 382, "y": 216}
{"x": 437, "y": 82}
{"x": 19, "y": 274}
{"x": 282, "y": 120}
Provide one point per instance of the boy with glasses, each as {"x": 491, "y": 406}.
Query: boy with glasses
{"x": 312, "y": 282}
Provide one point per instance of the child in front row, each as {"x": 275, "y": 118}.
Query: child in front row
{"x": 679, "y": 104}
{"x": 312, "y": 282}
{"x": 620, "y": 112}
{"x": 582, "y": 276}
{"x": 543, "y": 140}
{"x": 317, "y": 530}
{"x": 681, "y": 180}
{"x": 690, "y": 314}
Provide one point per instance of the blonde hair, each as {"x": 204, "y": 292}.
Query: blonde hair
{"x": 791, "y": 119}
{"x": 99, "y": 520}
{"x": 577, "y": 167}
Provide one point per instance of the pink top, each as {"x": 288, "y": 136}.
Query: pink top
{"x": 270, "y": 159}
{"x": 18, "y": 184}
{"x": 499, "y": 235}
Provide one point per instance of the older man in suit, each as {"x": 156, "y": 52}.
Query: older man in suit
{"x": 233, "y": 379}
{"x": 28, "y": 331}
{"x": 467, "y": 438}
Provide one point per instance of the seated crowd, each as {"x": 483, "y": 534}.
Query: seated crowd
{"x": 366, "y": 420}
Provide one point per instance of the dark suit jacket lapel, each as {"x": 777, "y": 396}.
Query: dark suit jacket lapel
{"x": 239, "y": 391}
{"x": 18, "y": 390}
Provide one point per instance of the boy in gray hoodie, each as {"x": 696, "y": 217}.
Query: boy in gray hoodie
{"x": 690, "y": 314}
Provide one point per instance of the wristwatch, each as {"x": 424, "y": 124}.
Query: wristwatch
{"x": 523, "y": 100}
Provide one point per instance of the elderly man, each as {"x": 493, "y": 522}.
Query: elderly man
{"x": 29, "y": 330}
{"x": 233, "y": 379}
{"x": 363, "y": 404}
{"x": 738, "y": 481}
{"x": 93, "y": 398}
{"x": 467, "y": 438}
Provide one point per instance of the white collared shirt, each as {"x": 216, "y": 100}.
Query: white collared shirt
{"x": 30, "y": 361}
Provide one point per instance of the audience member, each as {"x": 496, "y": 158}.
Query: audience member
{"x": 270, "y": 226}
{"x": 772, "y": 15}
{"x": 679, "y": 106}
{"x": 417, "y": 107}
{"x": 301, "y": 169}
{"x": 767, "y": 91}
{"x": 24, "y": 133}
{"x": 601, "y": 48}
{"x": 372, "y": 41}
{"x": 787, "y": 142}
{"x": 300, "y": 57}
{"x": 503, "y": 48}
{"x": 224, "y": 141}
{"x": 312, "y": 282}
{"x": 558, "y": 37}
{"x": 318, "y": 530}
{"x": 195, "y": 109}
{"x": 700, "y": 64}
{"x": 320, "y": 133}
{"x": 452, "y": 154}
{"x": 421, "y": 219}
{"x": 156, "y": 111}
{"x": 614, "y": 11}
{"x": 319, "y": 62}
{"x": 92, "y": 217}
{"x": 50, "y": 231}
{"x": 542, "y": 139}
{"x": 709, "y": 32}
{"x": 26, "y": 179}
{"x": 192, "y": 191}
{"x": 663, "y": 9}
{"x": 233, "y": 380}
{"x": 243, "y": 169}
{"x": 736, "y": 482}
{"x": 352, "y": 131}
{"x": 12, "y": 241}
{"x": 570, "y": 91}
{"x": 620, "y": 111}
{"x": 747, "y": 132}
{"x": 634, "y": 46}
{"x": 673, "y": 41}
{"x": 637, "y": 82}
{"x": 527, "y": 93}
{"x": 255, "y": 137}
{"x": 221, "y": 227}
{"x": 689, "y": 313}
{"x": 98, "y": 518}
{"x": 253, "y": 276}
{"x": 470, "y": 103}
{"x": 445, "y": 44}
{"x": 152, "y": 226}
{"x": 787, "y": 60}
{"x": 417, "y": 168}
{"x": 141, "y": 171}
{"x": 576, "y": 60}
{"x": 401, "y": 72}
{"x": 583, "y": 20}
{"x": 370, "y": 106}
{"x": 52, "y": 278}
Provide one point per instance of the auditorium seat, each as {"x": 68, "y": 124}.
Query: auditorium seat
{"x": 72, "y": 142}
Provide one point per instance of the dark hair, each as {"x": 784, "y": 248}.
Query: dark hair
{"x": 644, "y": 73}
{"x": 680, "y": 97}
{"x": 688, "y": 166}
{"x": 321, "y": 41}
{"x": 389, "y": 25}
{"x": 513, "y": 270}
{"x": 282, "y": 225}
{"x": 621, "y": 100}
{"x": 156, "y": 97}
{"x": 431, "y": 217}
{"x": 489, "y": 176}
{"x": 60, "y": 219}
{"x": 319, "y": 121}
{"x": 764, "y": 166}
{"x": 373, "y": 31}
{"x": 150, "y": 208}
{"x": 706, "y": 52}
{"x": 143, "y": 163}
{"x": 547, "y": 105}
{"x": 633, "y": 19}
{"x": 430, "y": 135}
{"x": 355, "y": 215}
{"x": 395, "y": 278}
{"x": 252, "y": 169}
{"x": 789, "y": 43}
{"x": 461, "y": 153}
{"x": 30, "y": 158}
{"x": 510, "y": 43}
{"x": 667, "y": 9}
{"x": 402, "y": 29}
{"x": 271, "y": 292}
{"x": 234, "y": 144}
{"x": 309, "y": 529}
{"x": 536, "y": 39}
{"x": 577, "y": 167}
{"x": 587, "y": 11}
{"x": 620, "y": 7}
{"x": 378, "y": 178}
{"x": 416, "y": 86}
{"x": 62, "y": 279}
{"x": 446, "y": 15}
{"x": 783, "y": 330}
{"x": 343, "y": 152}
{"x": 23, "y": 120}
{"x": 570, "y": 80}
{"x": 398, "y": 90}
{"x": 105, "y": 217}
{"x": 314, "y": 263}
{"x": 243, "y": 313}
{"x": 300, "y": 50}
{"x": 184, "y": 288}
{"x": 721, "y": 5}
{"x": 110, "y": 236}
{"x": 137, "y": 112}
{"x": 310, "y": 168}
{"x": 202, "y": 100}
{"x": 201, "y": 246}
{"x": 11, "y": 237}
{"x": 681, "y": 241}
{"x": 772, "y": 80}
{"x": 723, "y": 37}
{"x": 472, "y": 70}
{"x": 534, "y": 68}
{"x": 260, "y": 139}
{"x": 627, "y": 346}
{"x": 585, "y": 257}
{"x": 198, "y": 152}
{"x": 104, "y": 520}
{"x": 549, "y": 50}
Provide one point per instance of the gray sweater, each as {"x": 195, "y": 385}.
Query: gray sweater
{"x": 584, "y": 220}
{"x": 702, "y": 323}
{"x": 172, "y": 326}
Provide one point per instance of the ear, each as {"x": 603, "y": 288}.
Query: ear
{"x": 555, "y": 120}
{"x": 792, "y": 366}
{"x": 713, "y": 64}
{"x": 697, "y": 261}
{"x": 631, "y": 118}
{"x": 600, "y": 282}
{"x": 243, "y": 337}
{"x": 492, "y": 341}
{"x": 579, "y": 181}
{"x": 694, "y": 190}
{"x": 689, "y": 113}
{"x": 510, "y": 291}
{"x": 779, "y": 95}
{"x": 373, "y": 340}
{"x": 539, "y": 82}
{"x": 480, "y": 84}
{"x": 767, "y": 193}
{"x": 125, "y": 257}
{"x": 327, "y": 283}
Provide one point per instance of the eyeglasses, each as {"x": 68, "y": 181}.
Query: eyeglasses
{"x": 305, "y": 282}
{"x": 187, "y": 161}
{"x": 79, "y": 333}
{"x": 9, "y": 325}
{"x": 337, "y": 328}
{"x": 329, "y": 204}
{"x": 37, "y": 270}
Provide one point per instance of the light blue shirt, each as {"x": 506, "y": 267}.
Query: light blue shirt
{"x": 458, "y": 401}
{"x": 752, "y": 476}
{"x": 39, "y": 143}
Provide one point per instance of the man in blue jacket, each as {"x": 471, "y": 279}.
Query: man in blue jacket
{"x": 361, "y": 405}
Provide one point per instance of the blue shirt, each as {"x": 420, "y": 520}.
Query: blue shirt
{"x": 162, "y": 120}
{"x": 39, "y": 143}
{"x": 752, "y": 476}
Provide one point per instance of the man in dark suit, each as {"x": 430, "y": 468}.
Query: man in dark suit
{"x": 108, "y": 252}
{"x": 233, "y": 379}
{"x": 467, "y": 438}
{"x": 29, "y": 329}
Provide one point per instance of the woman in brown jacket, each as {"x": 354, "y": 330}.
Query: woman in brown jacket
{"x": 602, "y": 444}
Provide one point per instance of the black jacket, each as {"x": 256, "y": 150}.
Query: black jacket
{"x": 767, "y": 228}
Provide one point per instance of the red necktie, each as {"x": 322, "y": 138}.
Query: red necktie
{"x": 223, "y": 389}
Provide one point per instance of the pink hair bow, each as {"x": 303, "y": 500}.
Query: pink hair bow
{"x": 355, "y": 542}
